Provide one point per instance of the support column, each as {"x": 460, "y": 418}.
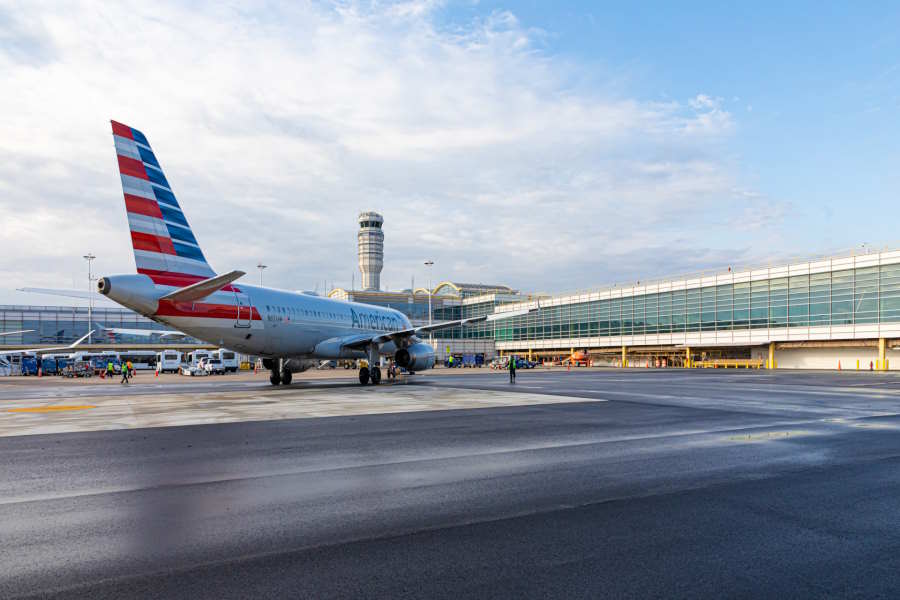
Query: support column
{"x": 687, "y": 358}
{"x": 624, "y": 356}
{"x": 529, "y": 355}
{"x": 882, "y": 347}
{"x": 771, "y": 362}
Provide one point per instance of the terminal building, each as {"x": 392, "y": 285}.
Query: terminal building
{"x": 839, "y": 312}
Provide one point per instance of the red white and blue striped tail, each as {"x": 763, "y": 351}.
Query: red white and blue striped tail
{"x": 165, "y": 248}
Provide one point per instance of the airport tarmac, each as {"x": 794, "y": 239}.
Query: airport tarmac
{"x": 571, "y": 484}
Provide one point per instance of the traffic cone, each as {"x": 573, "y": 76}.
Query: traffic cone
{"x": 839, "y": 365}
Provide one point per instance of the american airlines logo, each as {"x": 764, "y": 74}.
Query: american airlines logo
{"x": 374, "y": 321}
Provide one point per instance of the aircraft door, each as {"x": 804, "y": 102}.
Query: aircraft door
{"x": 244, "y": 310}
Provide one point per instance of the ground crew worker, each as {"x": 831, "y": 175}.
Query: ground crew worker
{"x": 130, "y": 370}
{"x": 512, "y": 369}
{"x": 124, "y": 374}
{"x": 450, "y": 360}
{"x": 110, "y": 370}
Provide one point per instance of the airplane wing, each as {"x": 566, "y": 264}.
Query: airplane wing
{"x": 361, "y": 342}
{"x": 15, "y": 332}
{"x": 42, "y": 350}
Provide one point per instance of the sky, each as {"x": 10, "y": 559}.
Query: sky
{"x": 547, "y": 146}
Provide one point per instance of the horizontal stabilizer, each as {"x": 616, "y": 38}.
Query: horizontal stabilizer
{"x": 204, "y": 288}
{"x": 141, "y": 332}
{"x": 83, "y": 294}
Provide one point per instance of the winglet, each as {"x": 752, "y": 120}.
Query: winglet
{"x": 204, "y": 288}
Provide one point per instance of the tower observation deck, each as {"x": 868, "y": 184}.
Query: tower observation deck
{"x": 371, "y": 249}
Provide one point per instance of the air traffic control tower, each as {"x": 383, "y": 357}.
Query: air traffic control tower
{"x": 371, "y": 249}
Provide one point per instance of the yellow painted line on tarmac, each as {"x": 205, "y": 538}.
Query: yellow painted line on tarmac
{"x": 47, "y": 409}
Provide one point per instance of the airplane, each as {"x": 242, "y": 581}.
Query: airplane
{"x": 292, "y": 332}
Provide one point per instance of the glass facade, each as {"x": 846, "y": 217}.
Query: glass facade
{"x": 65, "y": 324}
{"x": 474, "y": 307}
{"x": 866, "y": 295}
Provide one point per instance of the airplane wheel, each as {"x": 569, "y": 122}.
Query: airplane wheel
{"x": 286, "y": 377}
{"x": 364, "y": 375}
{"x": 375, "y": 376}
{"x": 274, "y": 378}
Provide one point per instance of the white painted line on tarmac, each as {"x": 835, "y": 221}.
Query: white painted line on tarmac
{"x": 589, "y": 392}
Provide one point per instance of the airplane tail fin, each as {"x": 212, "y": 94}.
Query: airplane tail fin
{"x": 165, "y": 248}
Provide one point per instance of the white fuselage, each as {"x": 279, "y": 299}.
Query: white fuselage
{"x": 263, "y": 321}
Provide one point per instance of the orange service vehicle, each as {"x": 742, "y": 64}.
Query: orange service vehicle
{"x": 578, "y": 359}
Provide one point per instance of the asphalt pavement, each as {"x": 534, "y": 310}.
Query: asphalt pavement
{"x": 680, "y": 484}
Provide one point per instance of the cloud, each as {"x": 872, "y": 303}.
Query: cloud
{"x": 277, "y": 123}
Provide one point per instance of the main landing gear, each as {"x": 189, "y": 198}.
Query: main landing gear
{"x": 366, "y": 375}
{"x": 372, "y": 372}
{"x": 279, "y": 375}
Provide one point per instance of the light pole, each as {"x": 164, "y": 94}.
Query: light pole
{"x": 261, "y": 266}
{"x": 429, "y": 264}
{"x": 89, "y": 257}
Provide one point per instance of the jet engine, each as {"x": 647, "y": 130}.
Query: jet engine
{"x": 417, "y": 357}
